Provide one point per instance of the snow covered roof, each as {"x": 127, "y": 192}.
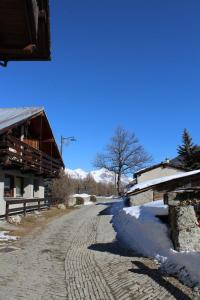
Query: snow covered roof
{"x": 153, "y": 182}
{"x": 11, "y": 116}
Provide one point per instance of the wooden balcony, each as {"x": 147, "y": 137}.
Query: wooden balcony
{"x": 17, "y": 154}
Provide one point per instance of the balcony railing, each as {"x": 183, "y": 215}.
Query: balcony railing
{"x": 14, "y": 152}
{"x": 25, "y": 205}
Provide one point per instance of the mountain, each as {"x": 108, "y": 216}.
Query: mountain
{"x": 101, "y": 175}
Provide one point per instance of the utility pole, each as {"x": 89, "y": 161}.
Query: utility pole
{"x": 67, "y": 140}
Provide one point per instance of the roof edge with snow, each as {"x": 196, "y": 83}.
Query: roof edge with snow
{"x": 161, "y": 164}
{"x": 151, "y": 183}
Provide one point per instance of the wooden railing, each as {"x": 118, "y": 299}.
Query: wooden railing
{"x": 24, "y": 208}
{"x": 14, "y": 151}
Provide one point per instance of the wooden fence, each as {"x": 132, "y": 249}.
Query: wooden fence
{"x": 40, "y": 204}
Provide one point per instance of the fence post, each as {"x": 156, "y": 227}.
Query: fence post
{"x": 24, "y": 208}
{"x": 7, "y": 210}
{"x": 49, "y": 203}
{"x": 39, "y": 205}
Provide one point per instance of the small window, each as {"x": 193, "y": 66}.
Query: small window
{"x": 19, "y": 183}
{"x": 9, "y": 186}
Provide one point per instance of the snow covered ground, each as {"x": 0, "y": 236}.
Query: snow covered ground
{"x": 139, "y": 229}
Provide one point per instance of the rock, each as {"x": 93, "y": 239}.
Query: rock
{"x": 37, "y": 213}
{"x": 71, "y": 201}
{"x": 61, "y": 206}
{"x": 196, "y": 289}
{"x": 15, "y": 220}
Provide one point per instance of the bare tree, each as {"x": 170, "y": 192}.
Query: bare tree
{"x": 123, "y": 155}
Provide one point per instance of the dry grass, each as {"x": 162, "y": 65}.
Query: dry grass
{"x": 35, "y": 222}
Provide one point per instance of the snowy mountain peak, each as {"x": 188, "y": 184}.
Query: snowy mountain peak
{"x": 101, "y": 175}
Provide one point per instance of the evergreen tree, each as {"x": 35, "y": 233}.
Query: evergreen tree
{"x": 187, "y": 151}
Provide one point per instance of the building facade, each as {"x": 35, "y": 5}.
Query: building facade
{"x": 28, "y": 155}
{"x": 162, "y": 169}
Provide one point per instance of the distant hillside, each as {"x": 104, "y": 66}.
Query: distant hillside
{"x": 101, "y": 175}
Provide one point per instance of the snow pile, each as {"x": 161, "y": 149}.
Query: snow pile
{"x": 81, "y": 195}
{"x": 85, "y": 197}
{"x": 139, "y": 229}
{"x": 101, "y": 175}
{"x": 152, "y": 182}
{"x": 5, "y": 237}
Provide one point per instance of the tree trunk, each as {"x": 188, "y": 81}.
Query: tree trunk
{"x": 118, "y": 183}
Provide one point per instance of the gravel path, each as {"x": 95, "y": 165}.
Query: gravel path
{"x": 77, "y": 257}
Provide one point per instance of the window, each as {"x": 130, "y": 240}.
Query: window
{"x": 36, "y": 188}
{"x": 19, "y": 183}
{"x": 9, "y": 186}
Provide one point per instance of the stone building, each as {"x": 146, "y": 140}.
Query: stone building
{"x": 184, "y": 218}
{"x": 155, "y": 189}
{"x": 162, "y": 169}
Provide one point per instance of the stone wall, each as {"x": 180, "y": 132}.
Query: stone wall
{"x": 141, "y": 198}
{"x": 185, "y": 232}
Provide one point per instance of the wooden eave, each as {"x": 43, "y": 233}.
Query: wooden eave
{"x": 24, "y": 30}
{"x": 160, "y": 184}
{"x": 41, "y": 113}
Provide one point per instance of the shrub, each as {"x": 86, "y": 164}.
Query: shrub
{"x": 79, "y": 200}
{"x": 93, "y": 198}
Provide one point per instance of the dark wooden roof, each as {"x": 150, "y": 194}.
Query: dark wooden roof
{"x": 13, "y": 117}
{"x": 24, "y": 30}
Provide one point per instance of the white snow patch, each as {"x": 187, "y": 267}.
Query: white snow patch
{"x": 152, "y": 182}
{"x": 86, "y": 198}
{"x": 81, "y": 195}
{"x": 5, "y": 237}
{"x": 140, "y": 229}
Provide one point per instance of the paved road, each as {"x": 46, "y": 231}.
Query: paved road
{"x": 77, "y": 257}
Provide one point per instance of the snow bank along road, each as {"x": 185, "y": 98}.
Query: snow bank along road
{"x": 76, "y": 257}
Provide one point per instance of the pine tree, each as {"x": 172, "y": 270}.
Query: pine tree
{"x": 187, "y": 150}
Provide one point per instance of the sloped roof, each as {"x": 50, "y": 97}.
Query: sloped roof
{"x": 11, "y": 116}
{"x": 154, "y": 182}
{"x": 170, "y": 164}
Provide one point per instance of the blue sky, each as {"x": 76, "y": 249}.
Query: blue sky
{"x": 129, "y": 63}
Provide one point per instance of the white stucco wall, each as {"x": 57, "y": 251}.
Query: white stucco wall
{"x": 28, "y": 188}
{"x": 157, "y": 173}
{"x": 2, "y": 201}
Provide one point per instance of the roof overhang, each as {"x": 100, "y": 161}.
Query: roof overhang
{"x": 24, "y": 30}
{"x": 22, "y": 115}
{"x": 162, "y": 164}
{"x": 168, "y": 180}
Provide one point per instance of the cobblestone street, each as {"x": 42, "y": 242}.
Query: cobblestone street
{"x": 77, "y": 257}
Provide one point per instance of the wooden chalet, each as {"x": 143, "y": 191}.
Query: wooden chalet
{"x": 28, "y": 156}
{"x": 24, "y": 30}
